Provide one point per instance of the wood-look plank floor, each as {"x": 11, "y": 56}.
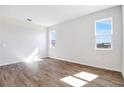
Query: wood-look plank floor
{"x": 49, "y": 72}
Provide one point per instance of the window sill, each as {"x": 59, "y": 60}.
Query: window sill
{"x": 102, "y": 49}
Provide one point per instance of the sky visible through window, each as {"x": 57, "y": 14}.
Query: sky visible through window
{"x": 53, "y": 35}
{"x": 103, "y": 31}
{"x": 52, "y": 39}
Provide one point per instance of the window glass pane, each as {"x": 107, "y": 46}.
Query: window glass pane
{"x": 103, "y": 41}
{"x": 53, "y": 43}
{"x": 53, "y": 35}
{"x": 104, "y": 33}
{"x": 104, "y": 27}
{"x": 52, "y": 38}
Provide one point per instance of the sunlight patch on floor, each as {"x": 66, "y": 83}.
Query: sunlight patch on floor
{"x": 79, "y": 79}
{"x": 73, "y": 81}
{"x": 86, "y": 76}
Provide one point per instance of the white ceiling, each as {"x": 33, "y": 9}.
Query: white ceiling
{"x": 48, "y": 15}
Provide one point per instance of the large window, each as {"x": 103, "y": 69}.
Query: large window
{"x": 103, "y": 34}
{"x": 52, "y": 37}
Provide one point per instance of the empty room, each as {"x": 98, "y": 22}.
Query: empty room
{"x": 61, "y": 46}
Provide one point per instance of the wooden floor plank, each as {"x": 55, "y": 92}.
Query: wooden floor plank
{"x": 49, "y": 72}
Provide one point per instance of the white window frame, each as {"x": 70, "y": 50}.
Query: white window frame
{"x": 50, "y": 45}
{"x": 109, "y": 18}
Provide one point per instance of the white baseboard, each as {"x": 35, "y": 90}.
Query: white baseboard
{"x": 14, "y": 61}
{"x": 86, "y": 64}
{"x": 11, "y": 62}
{"x": 72, "y": 61}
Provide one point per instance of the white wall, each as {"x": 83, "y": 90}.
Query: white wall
{"x": 19, "y": 39}
{"x": 123, "y": 41}
{"x": 76, "y": 41}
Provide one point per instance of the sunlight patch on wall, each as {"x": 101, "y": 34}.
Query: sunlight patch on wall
{"x": 86, "y": 76}
{"x": 33, "y": 57}
{"x": 73, "y": 81}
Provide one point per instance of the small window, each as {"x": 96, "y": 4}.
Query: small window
{"x": 103, "y": 34}
{"x": 52, "y": 38}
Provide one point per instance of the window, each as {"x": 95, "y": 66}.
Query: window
{"x": 103, "y": 34}
{"x": 52, "y": 39}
